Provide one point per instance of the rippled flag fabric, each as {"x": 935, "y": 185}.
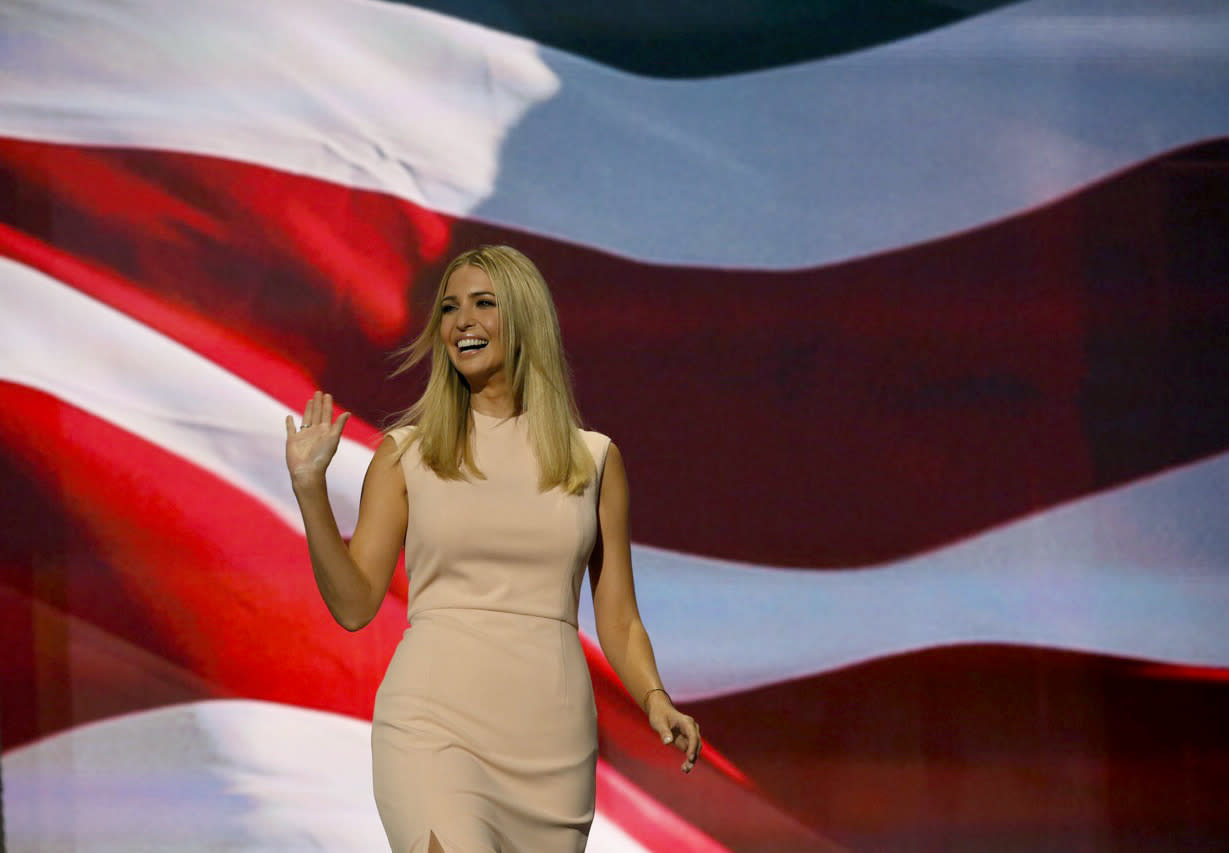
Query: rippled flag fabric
{"x": 912, "y": 346}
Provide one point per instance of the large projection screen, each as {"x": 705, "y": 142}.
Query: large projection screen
{"x": 911, "y": 322}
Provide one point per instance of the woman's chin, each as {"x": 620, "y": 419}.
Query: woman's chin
{"x": 475, "y": 374}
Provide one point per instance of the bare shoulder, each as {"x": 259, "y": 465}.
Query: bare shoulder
{"x": 614, "y": 490}
{"x": 613, "y": 455}
{"x": 385, "y": 463}
{"x": 390, "y": 447}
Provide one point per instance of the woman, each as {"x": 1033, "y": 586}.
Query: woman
{"x": 484, "y": 733}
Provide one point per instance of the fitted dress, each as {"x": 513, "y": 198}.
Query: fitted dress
{"x": 485, "y": 730}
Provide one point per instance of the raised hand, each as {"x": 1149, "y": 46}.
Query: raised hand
{"x": 310, "y": 448}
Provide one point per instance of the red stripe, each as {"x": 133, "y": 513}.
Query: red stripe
{"x": 1183, "y": 673}
{"x": 838, "y": 416}
{"x": 159, "y": 553}
{"x": 644, "y": 819}
{"x": 104, "y": 676}
{"x": 195, "y": 218}
{"x": 946, "y": 748}
{"x": 130, "y": 578}
{"x": 716, "y": 795}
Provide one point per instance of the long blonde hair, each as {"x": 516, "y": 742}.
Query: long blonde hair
{"x": 541, "y": 386}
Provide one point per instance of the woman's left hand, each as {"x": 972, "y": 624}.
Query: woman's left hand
{"x": 674, "y": 727}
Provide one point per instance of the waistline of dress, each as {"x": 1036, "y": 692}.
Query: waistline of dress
{"x": 484, "y": 613}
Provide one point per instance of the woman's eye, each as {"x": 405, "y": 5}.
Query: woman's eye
{"x": 486, "y": 303}
{"x": 447, "y": 309}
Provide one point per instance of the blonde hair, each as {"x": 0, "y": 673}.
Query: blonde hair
{"x": 535, "y": 363}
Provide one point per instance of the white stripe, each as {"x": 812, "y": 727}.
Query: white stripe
{"x": 233, "y": 775}
{"x": 361, "y": 93}
{"x": 1139, "y": 572}
{"x": 85, "y": 353}
{"x": 799, "y": 166}
{"x": 866, "y": 153}
{"x": 1084, "y": 576}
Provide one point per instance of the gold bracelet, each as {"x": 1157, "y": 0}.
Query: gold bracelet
{"x": 644, "y": 701}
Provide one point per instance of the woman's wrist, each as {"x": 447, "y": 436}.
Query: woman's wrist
{"x": 307, "y": 482}
{"x": 650, "y": 693}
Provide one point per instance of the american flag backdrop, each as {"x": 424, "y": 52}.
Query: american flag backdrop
{"x": 911, "y": 321}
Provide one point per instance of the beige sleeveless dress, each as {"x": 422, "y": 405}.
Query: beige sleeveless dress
{"x": 485, "y": 731}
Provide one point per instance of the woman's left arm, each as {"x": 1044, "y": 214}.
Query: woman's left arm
{"x": 619, "y": 629}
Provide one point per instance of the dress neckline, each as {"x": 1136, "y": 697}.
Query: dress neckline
{"x": 491, "y": 420}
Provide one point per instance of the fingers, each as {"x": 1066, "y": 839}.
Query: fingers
{"x": 340, "y": 423}
{"x": 688, "y": 740}
{"x": 682, "y": 731}
{"x": 319, "y": 410}
{"x": 289, "y": 426}
{"x": 694, "y": 745}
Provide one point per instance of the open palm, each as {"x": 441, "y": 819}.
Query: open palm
{"x": 310, "y": 448}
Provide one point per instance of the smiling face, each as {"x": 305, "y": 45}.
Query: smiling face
{"x": 470, "y": 326}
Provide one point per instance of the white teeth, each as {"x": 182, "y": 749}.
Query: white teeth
{"x": 467, "y": 344}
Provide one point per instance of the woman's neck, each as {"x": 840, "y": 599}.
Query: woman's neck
{"x": 491, "y": 402}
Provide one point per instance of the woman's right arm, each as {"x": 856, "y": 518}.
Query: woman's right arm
{"x": 352, "y": 579}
